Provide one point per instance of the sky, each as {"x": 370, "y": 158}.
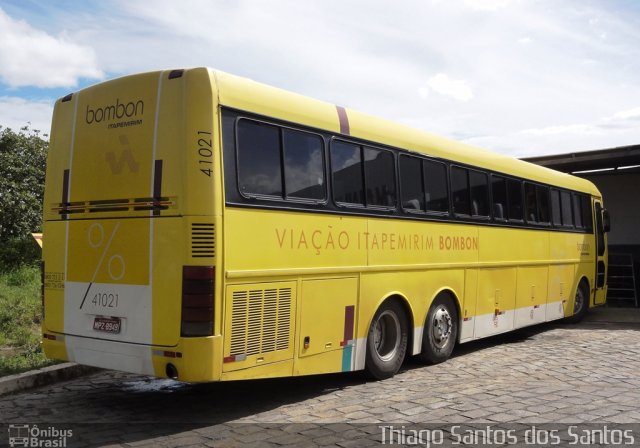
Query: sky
{"x": 520, "y": 77}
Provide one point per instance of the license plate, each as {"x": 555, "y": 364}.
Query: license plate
{"x": 107, "y": 324}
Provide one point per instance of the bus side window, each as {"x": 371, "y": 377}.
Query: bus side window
{"x": 530, "y": 202}
{"x": 303, "y": 165}
{"x": 346, "y": 168}
{"x": 542, "y": 198}
{"x": 435, "y": 174}
{"x": 460, "y": 190}
{"x": 587, "y": 216}
{"x": 412, "y": 183}
{"x": 567, "y": 215}
{"x": 577, "y": 211}
{"x": 379, "y": 177}
{"x": 499, "y": 197}
{"x": 259, "y": 167}
{"x": 479, "y": 193}
{"x": 514, "y": 196}
{"x": 556, "y": 214}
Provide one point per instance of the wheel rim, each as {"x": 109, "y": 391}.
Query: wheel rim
{"x": 441, "y": 326}
{"x": 579, "y": 302}
{"x": 386, "y": 335}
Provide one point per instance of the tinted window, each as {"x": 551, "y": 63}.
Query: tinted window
{"x": 565, "y": 206}
{"x": 411, "y": 183}
{"x": 460, "y": 190}
{"x": 436, "y": 186}
{"x": 577, "y": 211}
{"x": 303, "y": 165}
{"x": 259, "y": 171}
{"x": 542, "y": 194}
{"x": 379, "y": 177}
{"x": 555, "y": 208}
{"x": 514, "y": 194}
{"x": 530, "y": 202}
{"x": 479, "y": 193}
{"x": 587, "y": 216}
{"x": 499, "y": 196}
{"x": 346, "y": 168}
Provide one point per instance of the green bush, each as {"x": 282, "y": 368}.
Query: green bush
{"x": 20, "y": 320}
{"x": 22, "y": 169}
{"x": 17, "y": 252}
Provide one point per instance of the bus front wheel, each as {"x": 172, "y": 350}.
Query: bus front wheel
{"x": 386, "y": 341}
{"x": 440, "y": 331}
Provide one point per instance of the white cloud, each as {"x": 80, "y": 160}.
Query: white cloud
{"x": 514, "y": 76}
{"x": 443, "y": 85}
{"x": 631, "y": 114}
{"x": 619, "y": 129}
{"x": 31, "y": 57}
{"x": 487, "y": 5}
{"x": 15, "y": 113}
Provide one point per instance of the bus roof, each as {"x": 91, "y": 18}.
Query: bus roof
{"x": 251, "y": 96}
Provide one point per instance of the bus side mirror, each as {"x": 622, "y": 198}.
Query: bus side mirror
{"x": 606, "y": 221}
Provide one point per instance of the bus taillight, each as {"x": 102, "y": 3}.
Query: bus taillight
{"x": 197, "y": 301}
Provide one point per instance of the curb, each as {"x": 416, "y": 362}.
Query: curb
{"x": 43, "y": 377}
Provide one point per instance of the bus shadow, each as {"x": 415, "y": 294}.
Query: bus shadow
{"x": 146, "y": 408}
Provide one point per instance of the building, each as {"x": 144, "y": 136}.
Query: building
{"x": 616, "y": 172}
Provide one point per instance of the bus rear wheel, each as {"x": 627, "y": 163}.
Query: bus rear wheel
{"x": 580, "y": 303}
{"x": 386, "y": 341}
{"x": 440, "y": 331}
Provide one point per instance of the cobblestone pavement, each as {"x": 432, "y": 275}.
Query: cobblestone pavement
{"x": 553, "y": 373}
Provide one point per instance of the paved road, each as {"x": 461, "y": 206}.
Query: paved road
{"x": 546, "y": 374}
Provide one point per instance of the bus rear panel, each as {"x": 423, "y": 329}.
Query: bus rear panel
{"x": 130, "y": 217}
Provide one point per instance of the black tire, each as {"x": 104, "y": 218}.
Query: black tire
{"x": 440, "y": 331}
{"x": 580, "y": 303}
{"x": 386, "y": 341}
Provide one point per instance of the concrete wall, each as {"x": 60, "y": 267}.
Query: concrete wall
{"x": 621, "y": 194}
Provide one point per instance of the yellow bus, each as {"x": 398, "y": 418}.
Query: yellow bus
{"x": 204, "y": 227}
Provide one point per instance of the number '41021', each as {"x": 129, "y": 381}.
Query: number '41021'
{"x": 205, "y": 152}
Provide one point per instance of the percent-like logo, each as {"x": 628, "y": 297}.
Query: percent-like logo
{"x": 115, "y": 265}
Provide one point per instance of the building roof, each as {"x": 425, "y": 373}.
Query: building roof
{"x": 601, "y": 159}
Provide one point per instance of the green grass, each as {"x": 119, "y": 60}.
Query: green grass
{"x": 20, "y": 318}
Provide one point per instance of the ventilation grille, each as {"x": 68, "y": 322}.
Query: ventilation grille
{"x": 203, "y": 240}
{"x": 260, "y": 321}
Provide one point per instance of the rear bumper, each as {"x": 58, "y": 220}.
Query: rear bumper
{"x": 194, "y": 359}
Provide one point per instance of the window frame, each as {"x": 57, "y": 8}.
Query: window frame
{"x": 505, "y": 206}
{"x": 423, "y": 160}
{"x": 361, "y": 149}
{"x": 447, "y": 188}
{"x": 283, "y": 197}
{"x": 468, "y": 170}
{"x": 232, "y": 120}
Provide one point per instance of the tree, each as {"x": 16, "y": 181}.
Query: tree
{"x": 22, "y": 168}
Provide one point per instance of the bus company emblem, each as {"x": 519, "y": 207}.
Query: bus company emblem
{"x": 129, "y": 111}
{"x": 126, "y": 157}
